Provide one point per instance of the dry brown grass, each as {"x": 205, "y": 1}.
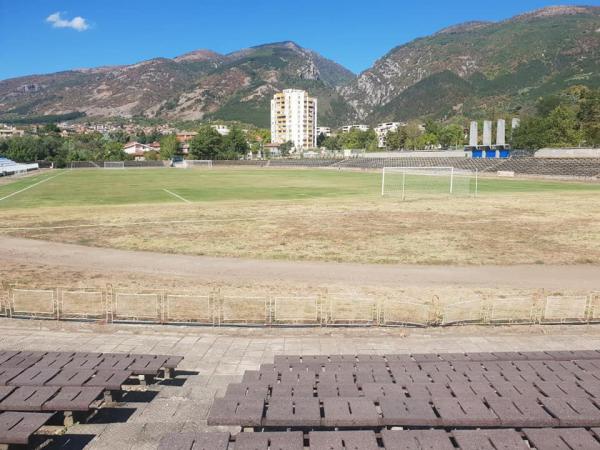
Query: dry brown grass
{"x": 548, "y": 228}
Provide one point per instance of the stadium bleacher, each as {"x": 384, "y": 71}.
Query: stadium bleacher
{"x": 518, "y": 400}
{"x": 37, "y": 386}
{"x": 9, "y": 167}
{"x": 568, "y": 167}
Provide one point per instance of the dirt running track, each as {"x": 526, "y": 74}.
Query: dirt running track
{"x": 26, "y": 251}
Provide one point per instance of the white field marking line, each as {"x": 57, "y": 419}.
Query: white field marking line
{"x": 33, "y": 185}
{"x": 125, "y": 224}
{"x": 176, "y": 195}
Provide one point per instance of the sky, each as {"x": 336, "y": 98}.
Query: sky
{"x": 42, "y": 36}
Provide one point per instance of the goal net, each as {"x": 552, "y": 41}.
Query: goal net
{"x": 114, "y": 164}
{"x": 191, "y": 163}
{"x": 407, "y": 182}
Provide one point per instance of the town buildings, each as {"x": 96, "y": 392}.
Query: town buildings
{"x": 294, "y": 119}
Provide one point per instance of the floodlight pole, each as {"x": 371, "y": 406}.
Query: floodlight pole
{"x": 452, "y": 181}
{"x": 383, "y": 182}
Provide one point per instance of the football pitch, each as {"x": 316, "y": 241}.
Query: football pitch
{"x": 138, "y": 186}
{"x": 303, "y": 214}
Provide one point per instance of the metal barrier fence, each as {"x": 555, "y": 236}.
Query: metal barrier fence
{"x": 214, "y": 307}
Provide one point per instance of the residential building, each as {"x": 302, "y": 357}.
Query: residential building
{"x": 294, "y": 118}
{"x": 383, "y": 129}
{"x": 137, "y": 149}
{"x": 185, "y": 136}
{"x": 325, "y": 131}
{"x": 223, "y": 130}
{"x": 360, "y": 127}
{"x": 7, "y": 131}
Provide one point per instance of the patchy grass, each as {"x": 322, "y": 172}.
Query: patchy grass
{"x": 307, "y": 215}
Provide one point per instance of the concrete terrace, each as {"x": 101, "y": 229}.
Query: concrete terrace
{"x": 216, "y": 357}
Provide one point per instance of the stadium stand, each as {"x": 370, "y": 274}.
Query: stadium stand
{"x": 551, "y": 167}
{"x": 517, "y": 400}
{"x": 575, "y": 167}
{"x": 239, "y": 162}
{"x": 38, "y": 386}
{"x": 9, "y": 167}
{"x": 313, "y": 162}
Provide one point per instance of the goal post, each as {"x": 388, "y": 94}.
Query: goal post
{"x": 192, "y": 163}
{"x": 408, "y": 181}
{"x": 114, "y": 164}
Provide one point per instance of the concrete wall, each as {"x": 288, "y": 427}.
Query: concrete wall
{"x": 421, "y": 154}
{"x": 568, "y": 153}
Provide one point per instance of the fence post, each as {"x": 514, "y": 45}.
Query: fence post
{"x": 110, "y": 294}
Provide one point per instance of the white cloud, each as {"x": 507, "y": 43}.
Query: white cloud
{"x": 77, "y": 23}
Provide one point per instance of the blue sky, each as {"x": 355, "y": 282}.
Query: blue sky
{"x": 89, "y": 33}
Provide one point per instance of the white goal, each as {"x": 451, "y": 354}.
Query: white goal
{"x": 114, "y": 164}
{"x": 192, "y": 163}
{"x": 418, "y": 181}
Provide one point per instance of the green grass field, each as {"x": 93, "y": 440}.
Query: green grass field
{"x": 135, "y": 186}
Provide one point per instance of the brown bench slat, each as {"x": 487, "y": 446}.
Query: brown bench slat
{"x": 112, "y": 380}
{"x": 573, "y": 412}
{"x": 5, "y": 391}
{"x": 489, "y": 439}
{"x": 246, "y": 412}
{"x": 558, "y": 438}
{"x": 300, "y": 412}
{"x": 28, "y": 398}
{"x": 416, "y": 440}
{"x": 342, "y": 440}
{"x": 33, "y": 377}
{"x": 195, "y": 441}
{"x": 73, "y": 399}
{"x": 401, "y": 411}
{"x": 71, "y": 378}
{"x": 269, "y": 441}
{"x": 464, "y": 412}
{"x": 241, "y": 390}
{"x": 349, "y": 412}
{"x": 521, "y": 412}
{"x": 7, "y": 374}
{"x": 17, "y": 427}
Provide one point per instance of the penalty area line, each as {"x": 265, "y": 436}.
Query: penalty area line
{"x": 176, "y": 195}
{"x": 31, "y": 186}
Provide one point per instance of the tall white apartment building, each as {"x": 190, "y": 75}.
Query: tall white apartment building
{"x": 294, "y": 118}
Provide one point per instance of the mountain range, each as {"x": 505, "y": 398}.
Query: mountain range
{"x": 471, "y": 69}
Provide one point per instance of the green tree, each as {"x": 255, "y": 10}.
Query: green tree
{"x": 120, "y": 136}
{"x": 235, "y": 143}
{"x": 207, "y": 144}
{"x": 332, "y": 143}
{"x": 396, "y": 139}
{"x": 546, "y": 105}
{"x": 113, "y": 151}
{"x": 357, "y": 139}
{"x": 531, "y": 134}
{"x": 50, "y": 128}
{"x": 589, "y": 116}
{"x": 562, "y": 127}
{"x": 286, "y": 148}
{"x": 413, "y": 134}
{"x": 168, "y": 147}
{"x": 451, "y": 135}
{"x": 321, "y": 139}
